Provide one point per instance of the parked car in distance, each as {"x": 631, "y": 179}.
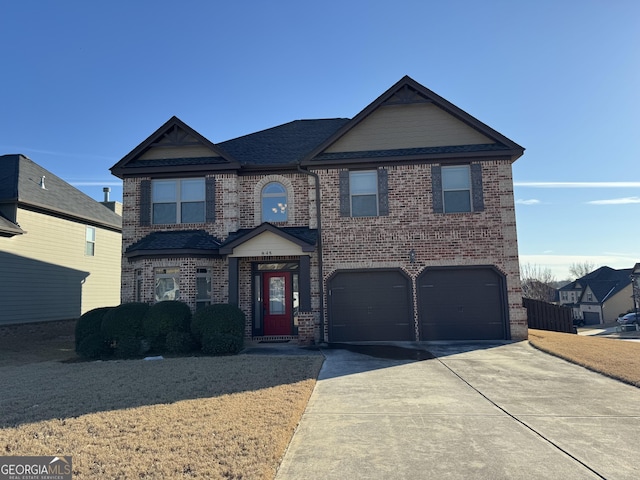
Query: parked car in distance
{"x": 629, "y": 318}
{"x": 578, "y": 322}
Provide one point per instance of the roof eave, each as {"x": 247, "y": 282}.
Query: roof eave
{"x": 413, "y": 159}
{"x": 123, "y": 172}
{"x": 173, "y": 252}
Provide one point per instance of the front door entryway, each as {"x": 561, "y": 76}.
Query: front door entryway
{"x": 276, "y": 287}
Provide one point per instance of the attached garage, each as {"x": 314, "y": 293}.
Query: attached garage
{"x": 591, "y": 318}
{"x": 462, "y": 304}
{"x": 370, "y": 305}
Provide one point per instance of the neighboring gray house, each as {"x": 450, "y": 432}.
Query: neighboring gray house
{"x": 60, "y": 250}
{"x": 599, "y": 297}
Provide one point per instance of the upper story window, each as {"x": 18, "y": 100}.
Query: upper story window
{"x": 364, "y": 193}
{"x": 363, "y": 188}
{"x": 274, "y": 202}
{"x": 178, "y": 201}
{"x": 90, "y": 242}
{"x": 456, "y": 189}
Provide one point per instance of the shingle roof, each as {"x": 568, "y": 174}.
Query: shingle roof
{"x": 603, "y": 282}
{"x": 21, "y": 181}
{"x": 284, "y": 144}
{"x": 180, "y": 241}
{"x": 305, "y": 234}
{"x": 8, "y": 228}
{"x": 402, "y": 152}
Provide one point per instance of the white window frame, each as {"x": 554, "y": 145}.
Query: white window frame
{"x": 165, "y": 273}
{"x": 90, "y": 242}
{"x": 446, "y": 169}
{"x": 374, "y": 192}
{"x": 282, "y": 205}
{"x": 178, "y": 190}
{"x": 206, "y": 273}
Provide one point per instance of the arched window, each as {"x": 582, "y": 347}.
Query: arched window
{"x": 274, "y": 203}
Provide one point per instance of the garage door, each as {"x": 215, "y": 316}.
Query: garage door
{"x": 370, "y": 306}
{"x": 591, "y": 318}
{"x": 461, "y": 304}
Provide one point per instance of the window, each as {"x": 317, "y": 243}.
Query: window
{"x": 167, "y": 284}
{"x": 203, "y": 287}
{"x": 363, "y": 188}
{"x": 274, "y": 203}
{"x": 565, "y": 296}
{"x": 138, "y": 285}
{"x": 90, "y": 242}
{"x": 178, "y": 201}
{"x": 364, "y": 193}
{"x": 456, "y": 189}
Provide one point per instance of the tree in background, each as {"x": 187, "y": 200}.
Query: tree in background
{"x": 537, "y": 282}
{"x": 579, "y": 270}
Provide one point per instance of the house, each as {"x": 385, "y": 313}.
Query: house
{"x": 396, "y": 224}
{"x": 600, "y": 296}
{"x": 60, "y": 250}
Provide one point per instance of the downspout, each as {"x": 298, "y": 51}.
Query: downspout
{"x": 319, "y": 228}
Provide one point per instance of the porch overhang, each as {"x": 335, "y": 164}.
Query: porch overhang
{"x": 267, "y": 240}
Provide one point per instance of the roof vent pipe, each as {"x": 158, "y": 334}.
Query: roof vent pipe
{"x": 106, "y": 191}
{"x": 42, "y": 183}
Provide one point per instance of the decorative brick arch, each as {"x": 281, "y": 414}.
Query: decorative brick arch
{"x": 257, "y": 197}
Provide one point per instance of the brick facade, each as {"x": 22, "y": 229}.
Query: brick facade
{"x": 408, "y": 235}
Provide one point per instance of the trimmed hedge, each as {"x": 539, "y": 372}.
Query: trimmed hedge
{"x": 122, "y": 324}
{"x": 221, "y": 343}
{"x": 219, "y": 329}
{"x": 164, "y": 318}
{"x": 89, "y": 324}
{"x": 93, "y": 346}
{"x": 180, "y": 342}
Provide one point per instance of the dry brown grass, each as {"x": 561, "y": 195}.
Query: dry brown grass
{"x": 197, "y": 417}
{"x": 615, "y": 358}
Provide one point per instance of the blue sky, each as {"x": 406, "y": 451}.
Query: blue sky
{"x": 83, "y": 83}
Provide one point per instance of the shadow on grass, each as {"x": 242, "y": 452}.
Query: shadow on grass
{"x": 54, "y": 390}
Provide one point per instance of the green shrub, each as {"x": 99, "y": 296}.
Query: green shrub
{"x": 180, "y": 342}
{"x": 128, "y": 347}
{"x": 219, "y": 318}
{"x": 219, "y": 329}
{"x": 89, "y": 324}
{"x": 163, "y": 318}
{"x": 93, "y": 346}
{"x": 122, "y": 328}
{"x": 214, "y": 343}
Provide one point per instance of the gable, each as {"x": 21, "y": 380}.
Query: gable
{"x": 177, "y": 143}
{"x": 174, "y": 148}
{"x": 266, "y": 244}
{"x": 412, "y": 125}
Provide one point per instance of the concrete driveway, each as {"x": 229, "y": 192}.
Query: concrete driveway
{"x": 481, "y": 411}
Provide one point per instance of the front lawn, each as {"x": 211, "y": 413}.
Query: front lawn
{"x": 616, "y": 358}
{"x": 193, "y": 417}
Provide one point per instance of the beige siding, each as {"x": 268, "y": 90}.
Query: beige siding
{"x": 177, "y": 152}
{"x": 408, "y": 126}
{"x": 46, "y": 274}
{"x": 266, "y": 244}
{"x": 620, "y": 303}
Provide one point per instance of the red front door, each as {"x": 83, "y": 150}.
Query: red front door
{"x": 277, "y": 303}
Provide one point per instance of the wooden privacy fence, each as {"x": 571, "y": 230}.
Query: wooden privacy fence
{"x": 546, "y": 316}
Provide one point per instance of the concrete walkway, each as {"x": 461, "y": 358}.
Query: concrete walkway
{"x": 475, "y": 412}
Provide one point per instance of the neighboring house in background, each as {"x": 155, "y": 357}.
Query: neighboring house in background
{"x": 599, "y": 297}
{"x": 398, "y": 224}
{"x": 60, "y": 250}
